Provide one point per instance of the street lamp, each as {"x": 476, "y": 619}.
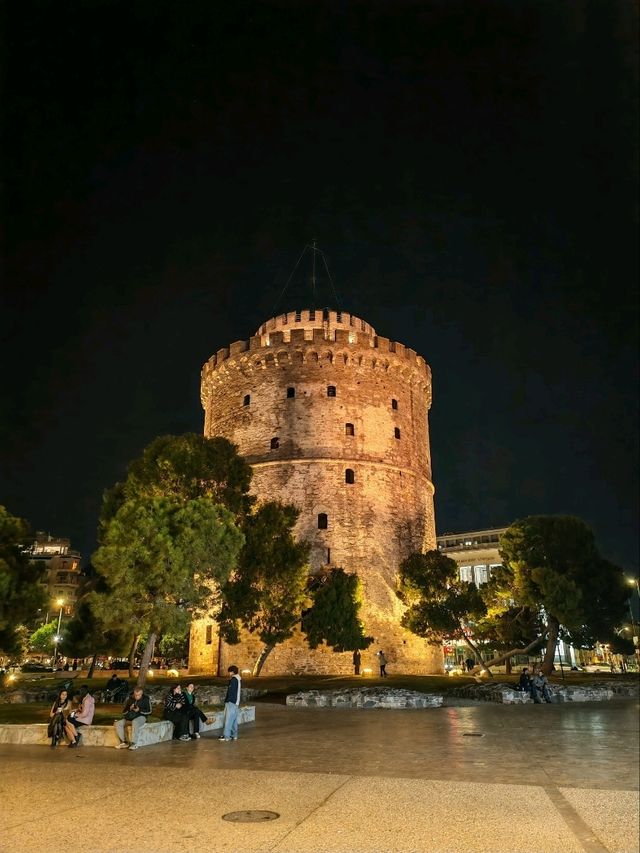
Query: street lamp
{"x": 57, "y": 638}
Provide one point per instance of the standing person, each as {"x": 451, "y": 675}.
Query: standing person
{"x": 193, "y": 712}
{"x": 83, "y": 716}
{"x": 469, "y": 662}
{"x": 356, "y": 662}
{"x": 57, "y": 717}
{"x": 135, "y": 712}
{"x": 382, "y": 661}
{"x": 176, "y": 711}
{"x": 231, "y": 706}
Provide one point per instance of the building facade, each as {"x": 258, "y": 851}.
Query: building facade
{"x": 476, "y": 552}
{"x": 333, "y": 418}
{"x": 62, "y": 575}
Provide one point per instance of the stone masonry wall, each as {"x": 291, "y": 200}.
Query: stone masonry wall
{"x": 313, "y": 403}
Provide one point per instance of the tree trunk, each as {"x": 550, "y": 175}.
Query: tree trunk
{"x": 132, "y": 653}
{"x": 476, "y": 652}
{"x": 264, "y": 654}
{"x": 502, "y": 658}
{"x": 146, "y": 658}
{"x": 553, "y": 628}
{"x": 507, "y": 666}
{"x": 92, "y": 666}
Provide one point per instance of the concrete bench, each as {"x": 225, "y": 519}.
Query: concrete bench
{"x": 156, "y": 731}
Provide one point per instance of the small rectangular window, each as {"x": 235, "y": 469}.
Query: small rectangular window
{"x": 209, "y": 635}
{"x": 339, "y": 317}
{"x": 328, "y": 556}
{"x": 298, "y": 316}
{"x": 291, "y": 392}
{"x": 312, "y": 315}
{"x": 331, "y": 391}
{"x": 349, "y": 476}
{"x": 396, "y": 432}
{"x": 275, "y": 443}
{"x": 247, "y": 400}
{"x": 323, "y": 521}
{"x": 349, "y": 429}
{"x": 394, "y": 404}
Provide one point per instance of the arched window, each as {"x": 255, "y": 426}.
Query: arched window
{"x": 291, "y": 392}
{"x": 349, "y": 429}
{"x": 323, "y": 521}
{"x": 349, "y": 476}
{"x": 394, "y": 404}
{"x": 247, "y": 400}
{"x": 396, "y": 432}
{"x": 331, "y": 390}
{"x": 275, "y": 443}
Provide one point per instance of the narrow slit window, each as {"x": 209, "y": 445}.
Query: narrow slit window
{"x": 298, "y": 316}
{"x": 349, "y": 429}
{"x": 312, "y": 315}
{"x": 339, "y": 317}
{"x": 396, "y": 432}
{"x": 394, "y": 404}
{"x": 284, "y": 318}
{"x": 291, "y": 393}
{"x": 209, "y": 635}
{"x": 275, "y": 443}
{"x": 331, "y": 390}
{"x": 246, "y": 400}
{"x": 349, "y": 476}
{"x": 325, "y": 314}
{"x": 323, "y": 521}
{"x": 328, "y": 556}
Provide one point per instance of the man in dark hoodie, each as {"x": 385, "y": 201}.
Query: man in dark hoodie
{"x": 231, "y": 706}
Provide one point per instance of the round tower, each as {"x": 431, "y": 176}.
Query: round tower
{"x": 334, "y": 418}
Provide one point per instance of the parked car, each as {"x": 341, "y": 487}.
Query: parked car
{"x": 35, "y": 667}
{"x": 121, "y": 663}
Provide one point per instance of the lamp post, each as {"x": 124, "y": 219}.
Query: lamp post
{"x": 57, "y": 638}
{"x": 633, "y": 582}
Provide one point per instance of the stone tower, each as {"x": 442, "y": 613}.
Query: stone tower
{"x": 333, "y": 418}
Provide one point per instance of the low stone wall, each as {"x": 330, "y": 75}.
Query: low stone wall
{"x": 363, "y": 697}
{"x": 151, "y": 733}
{"x": 506, "y": 694}
{"x": 207, "y": 694}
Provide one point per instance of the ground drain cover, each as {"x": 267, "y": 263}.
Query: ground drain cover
{"x": 473, "y": 734}
{"x": 251, "y": 816}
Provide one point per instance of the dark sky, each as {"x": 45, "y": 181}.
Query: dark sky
{"x": 468, "y": 169}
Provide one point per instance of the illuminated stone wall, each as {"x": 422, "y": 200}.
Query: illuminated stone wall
{"x": 313, "y": 401}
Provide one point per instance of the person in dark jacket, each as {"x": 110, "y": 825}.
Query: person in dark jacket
{"x": 357, "y": 658}
{"x": 135, "y": 712}
{"x": 58, "y": 717}
{"x": 524, "y": 683}
{"x": 231, "y": 706}
{"x": 194, "y": 714}
{"x": 175, "y": 709}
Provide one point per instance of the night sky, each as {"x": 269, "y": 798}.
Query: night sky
{"x": 468, "y": 169}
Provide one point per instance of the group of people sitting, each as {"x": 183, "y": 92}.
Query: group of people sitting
{"x": 69, "y": 714}
{"x": 536, "y": 685}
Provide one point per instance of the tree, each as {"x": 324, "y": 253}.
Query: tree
{"x": 163, "y": 559}
{"x": 266, "y": 593}
{"x": 333, "y": 616}
{"x": 21, "y": 590}
{"x": 440, "y": 605}
{"x": 185, "y": 467}
{"x": 552, "y": 566}
{"x": 42, "y": 639}
{"x": 174, "y": 646}
{"x": 87, "y": 633}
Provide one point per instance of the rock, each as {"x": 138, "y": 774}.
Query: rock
{"x": 364, "y": 697}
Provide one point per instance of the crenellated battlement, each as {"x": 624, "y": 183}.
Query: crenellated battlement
{"x": 354, "y": 343}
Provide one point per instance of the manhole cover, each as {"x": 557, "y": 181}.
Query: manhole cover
{"x": 252, "y": 816}
{"x": 473, "y": 734}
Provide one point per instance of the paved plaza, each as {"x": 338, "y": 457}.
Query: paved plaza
{"x": 468, "y": 779}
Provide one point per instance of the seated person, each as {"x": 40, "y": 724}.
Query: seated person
{"x": 58, "y": 717}
{"x": 116, "y": 689}
{"x": 524, "y": 684}
{"x": 540, "y": 685}
{"x": 175, "y": 710}
{"x": 135, "y": 712}
{"x": 83, "y": 715}
{"x": 194, "y": 714}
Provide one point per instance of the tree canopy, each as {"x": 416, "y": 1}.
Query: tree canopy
{"x": 267, "y": 591}
{"x": 163, "y": 559}
{"x": 333, "y": 617}
{"x": 21, "y": 590}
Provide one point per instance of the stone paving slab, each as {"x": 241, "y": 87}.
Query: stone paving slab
{"x": 613, "y": 815}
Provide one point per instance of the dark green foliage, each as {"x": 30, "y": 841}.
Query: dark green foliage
{"x": 333, "y": 616}
{"x": 267, "y": 590}
{"x": 551, "y": 565}
{"x": 21, "y": 590}
{"x": 186, "y": 467}
{"x": 87, "y": 632}
{"x": 439, "y": 604}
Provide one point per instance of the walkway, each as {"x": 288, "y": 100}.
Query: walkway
{"x": 529, "y": 779}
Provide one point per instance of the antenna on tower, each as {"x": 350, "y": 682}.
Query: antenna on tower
{"x": 313, "y": 248}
